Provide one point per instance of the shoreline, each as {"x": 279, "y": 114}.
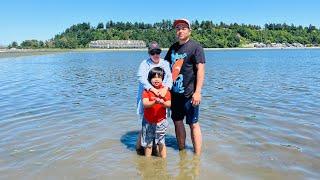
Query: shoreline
{"x": 8, "y": 53}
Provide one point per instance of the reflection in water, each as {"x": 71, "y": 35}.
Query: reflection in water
{"x": 189, "y": 166}
{"x": 152, "y": 168}
{"x": 156, "y": 167}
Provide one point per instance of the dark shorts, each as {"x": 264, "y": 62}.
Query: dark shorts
{"x": 153, "y": 134}
{"x": 182, "y": 107}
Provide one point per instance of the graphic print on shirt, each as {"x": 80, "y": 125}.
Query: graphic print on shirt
{"x": 177, "y": 78}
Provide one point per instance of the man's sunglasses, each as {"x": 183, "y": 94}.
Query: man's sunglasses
{"x": 155, "y": 52}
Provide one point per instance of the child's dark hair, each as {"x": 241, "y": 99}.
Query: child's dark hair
{"x": 156, "y": 71}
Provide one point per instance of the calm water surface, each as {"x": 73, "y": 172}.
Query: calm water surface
{"x": 72, "y": 116}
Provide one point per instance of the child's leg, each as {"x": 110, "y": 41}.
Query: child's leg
{"x": 148, "y": 151}
{"x": 160, "y": 137}
{"x": 163, "y": 151}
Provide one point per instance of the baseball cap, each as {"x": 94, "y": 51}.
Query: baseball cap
{"x": 154, "y": 46}
{"x": 183, "y": 21}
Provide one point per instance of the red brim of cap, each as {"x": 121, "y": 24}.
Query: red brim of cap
{"x": 180, "y": 21}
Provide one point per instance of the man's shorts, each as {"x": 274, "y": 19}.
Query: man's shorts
{"x": 182, "y": 107}
{"x": 153, "y": 134}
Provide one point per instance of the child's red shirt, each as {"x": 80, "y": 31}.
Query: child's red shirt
{"x": 157, "y": 112}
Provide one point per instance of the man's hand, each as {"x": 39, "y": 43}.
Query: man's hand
{"x": 196, "y": 98}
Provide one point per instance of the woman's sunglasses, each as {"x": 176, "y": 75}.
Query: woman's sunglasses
{"x": 152, "y": 53}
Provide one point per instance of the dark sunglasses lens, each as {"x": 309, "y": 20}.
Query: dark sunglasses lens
{"x": 155, "y": 52}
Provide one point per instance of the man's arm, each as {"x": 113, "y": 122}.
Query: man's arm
{"x": 196, "y": 97}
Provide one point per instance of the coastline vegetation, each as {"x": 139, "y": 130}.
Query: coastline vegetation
{"x": 207, "y": 33}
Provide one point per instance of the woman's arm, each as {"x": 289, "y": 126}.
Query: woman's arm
{"x": 143, "y": 75}
{"x": 167, "y": 81}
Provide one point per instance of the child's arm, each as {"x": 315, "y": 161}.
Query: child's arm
{"x": 147, "y": 103}
{"x": 166, "y": 104}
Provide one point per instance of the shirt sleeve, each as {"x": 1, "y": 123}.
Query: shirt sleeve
{"x": 145, "y": 94}
{"x": 168, "y": 96}
{"x": 143, "y": 75}
{"x": 199, "y": 55}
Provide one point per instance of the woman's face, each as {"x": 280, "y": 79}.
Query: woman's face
{"x": 155, "y": 56}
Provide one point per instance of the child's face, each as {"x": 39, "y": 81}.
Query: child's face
{"x": 156, "y": 81}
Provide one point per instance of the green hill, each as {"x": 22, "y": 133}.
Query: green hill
{"x": 207, "y": 33}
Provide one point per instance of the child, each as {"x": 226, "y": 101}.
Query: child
{"x": 154, "y": 123}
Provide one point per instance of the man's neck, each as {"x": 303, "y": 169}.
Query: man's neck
{"x": 181, "y": 42}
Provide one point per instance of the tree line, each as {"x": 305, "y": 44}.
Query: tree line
{"x": 207, "y": 33}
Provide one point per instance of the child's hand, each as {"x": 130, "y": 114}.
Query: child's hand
{"x": 159, "y": 101}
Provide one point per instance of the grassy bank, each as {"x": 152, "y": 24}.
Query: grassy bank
{"x": 7, "y": 53}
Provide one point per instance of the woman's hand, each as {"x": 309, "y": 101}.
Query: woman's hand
{"x": 163, "y": 91}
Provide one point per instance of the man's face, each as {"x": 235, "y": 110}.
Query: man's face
{"x": 182, "y": 31}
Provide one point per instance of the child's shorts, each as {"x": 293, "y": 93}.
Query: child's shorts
{"x": 153, "y": 134}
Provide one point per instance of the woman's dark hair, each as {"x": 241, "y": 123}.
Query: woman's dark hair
{"x": 156, "y": 71}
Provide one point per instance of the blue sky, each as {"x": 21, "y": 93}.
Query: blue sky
{"x": 43, "y": 19}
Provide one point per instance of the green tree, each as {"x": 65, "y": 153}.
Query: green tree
{"x": 100, "y": 25}
{"x": 14, "y": 44}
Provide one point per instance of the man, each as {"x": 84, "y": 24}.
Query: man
{"x": 187, "y": 60}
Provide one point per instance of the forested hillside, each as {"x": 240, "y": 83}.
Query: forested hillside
{"x": 207, "y": 33}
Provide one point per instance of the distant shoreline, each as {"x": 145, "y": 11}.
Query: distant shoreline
{"x": 7, "y": 53}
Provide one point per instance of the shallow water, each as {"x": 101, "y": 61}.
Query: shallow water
{"x": 72, "y": 116}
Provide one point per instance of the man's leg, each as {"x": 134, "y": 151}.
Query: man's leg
{"x": 180, "y": 134}
{"x": 196, "y": 137}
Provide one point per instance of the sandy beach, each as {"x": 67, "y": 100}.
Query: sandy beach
{"x": 7, "y": 53}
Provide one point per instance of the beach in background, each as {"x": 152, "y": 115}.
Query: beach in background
{"x": 7, "y": 53}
